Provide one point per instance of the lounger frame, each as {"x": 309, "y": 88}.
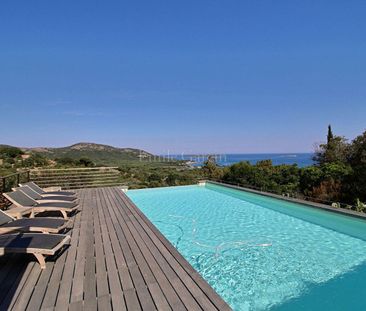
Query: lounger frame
{"x": 39, "y": 253}
{"x": 49, "y": 189}
{"x": 45, "y": 230}
{"x": 63, "y": 210}
{"x": 47, "y": 199}
{"x": 35, "y": 209}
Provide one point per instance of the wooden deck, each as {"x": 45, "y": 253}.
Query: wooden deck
{"x": 117, "y": 261}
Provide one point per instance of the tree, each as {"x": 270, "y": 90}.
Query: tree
{"x": 155, "y": 180}
{"x": 10, "y": 152}
{"x": 171, "y": 179}
{"x": 240, "y": 173}
{"x": 310, "y": 177}
{"x": 265, "y": 176}
{"x": 357, "y": 160}
{"x": 36, "y": 159}
{"x": 86, "y": 162}
{"x": 211, "y": 169}
{"x": 330, "y": 134}
{"x": 334, "y": 151}
{"x": 65, "y": 161}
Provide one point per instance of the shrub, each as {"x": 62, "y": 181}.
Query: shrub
{"x": 35, "y": 160}
{"x": 10, "y": 152}
{"x": 65, "y": 161}
{"x": 85, "y": 162}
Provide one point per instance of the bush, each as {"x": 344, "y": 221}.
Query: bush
{"x": 66, "y": 161}
{"x": 86, "y": 162}
{"x": 10, "y": 152}
{"x": 36, "y": 160}
{"x": 326, "y": 182}
{"x": 265, "y": 176}
{"x": 171, "y": 179}
{"x": 211, "y": 170}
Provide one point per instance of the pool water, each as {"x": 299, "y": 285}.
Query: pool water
{"x": 261, "y": 253}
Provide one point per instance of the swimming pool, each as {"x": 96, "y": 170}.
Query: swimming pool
{"x": 261, "y": 253}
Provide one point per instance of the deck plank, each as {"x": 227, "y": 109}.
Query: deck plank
{"x": 117, "y": 260}
{"x": 26, "y": 293}
{"x": 64, "y": 294}
{"x": 38, "y": 293}
{"x": 50, "y": 297}
{"x": 140, "y": 272}
{"x": 106, "y": 250}
{"x": 202, "y": 292}
{"x": 111, "y": 266}
{"x": 159, "y": 273}
{"x": 85, "y": 242}
{"x": 7, "y": 277}
{"x": 16, "y": 288}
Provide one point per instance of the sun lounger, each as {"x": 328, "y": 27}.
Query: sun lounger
{"x": 38, "y": 244}
{"x": 45, "y": 224}
{"x": 35, "y": 196}
{"x": 17, "y": 212}
{"x": 42, "y": 192}
{"x": 20, "y": 199}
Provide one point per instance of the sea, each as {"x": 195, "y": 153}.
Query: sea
{"x": 301, "y": 159}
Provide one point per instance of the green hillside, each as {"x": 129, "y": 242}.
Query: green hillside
{"x": 99, "y": 154}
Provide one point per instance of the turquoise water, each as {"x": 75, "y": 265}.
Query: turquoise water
{"x": 261, "y": 253}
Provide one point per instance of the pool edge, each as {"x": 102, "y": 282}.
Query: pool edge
{"x": 293, "y": 200}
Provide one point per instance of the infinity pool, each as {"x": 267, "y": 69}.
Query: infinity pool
{"x": 261, "y": 253}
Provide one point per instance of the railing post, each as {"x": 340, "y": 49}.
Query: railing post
{"x": 18, "y": 180}
{"x": 2, "y": 184}
{"x": 28, "y": 176}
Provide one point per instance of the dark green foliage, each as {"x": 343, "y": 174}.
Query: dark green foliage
{"x": 16, "y": 162}
{"x": 310, "y": 177}
{"x": 155, "y": 174}
{"x": 65, "y": 161}
{"x": 357, "y": 160}
{"x": 287, "y": 178}
{"x": 69, "y": 162}
{"x": 154, "y": 177}
{"x": 334, "y": 151}
{"x": 330, "y": 134}
{"x": 171, "y": 179}
{"x": 211, "y": 169}
{"x": 339, "y": 176}
{"x": 86, "y": 162}
{"x": 331, "y": 184}
{"x": 36, "y": 160}
{"x": 265, "y": 176}
{"x": 327, "y": 182}
{"x": 10, "y": 152}
{"x": 10, "y": 158}
{"x": 97, "y": 153}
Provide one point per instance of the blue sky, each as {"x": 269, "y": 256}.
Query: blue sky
{"x": 184, "y": 76}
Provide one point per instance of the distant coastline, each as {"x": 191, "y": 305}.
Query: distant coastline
{"x": 301, "y": 159}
